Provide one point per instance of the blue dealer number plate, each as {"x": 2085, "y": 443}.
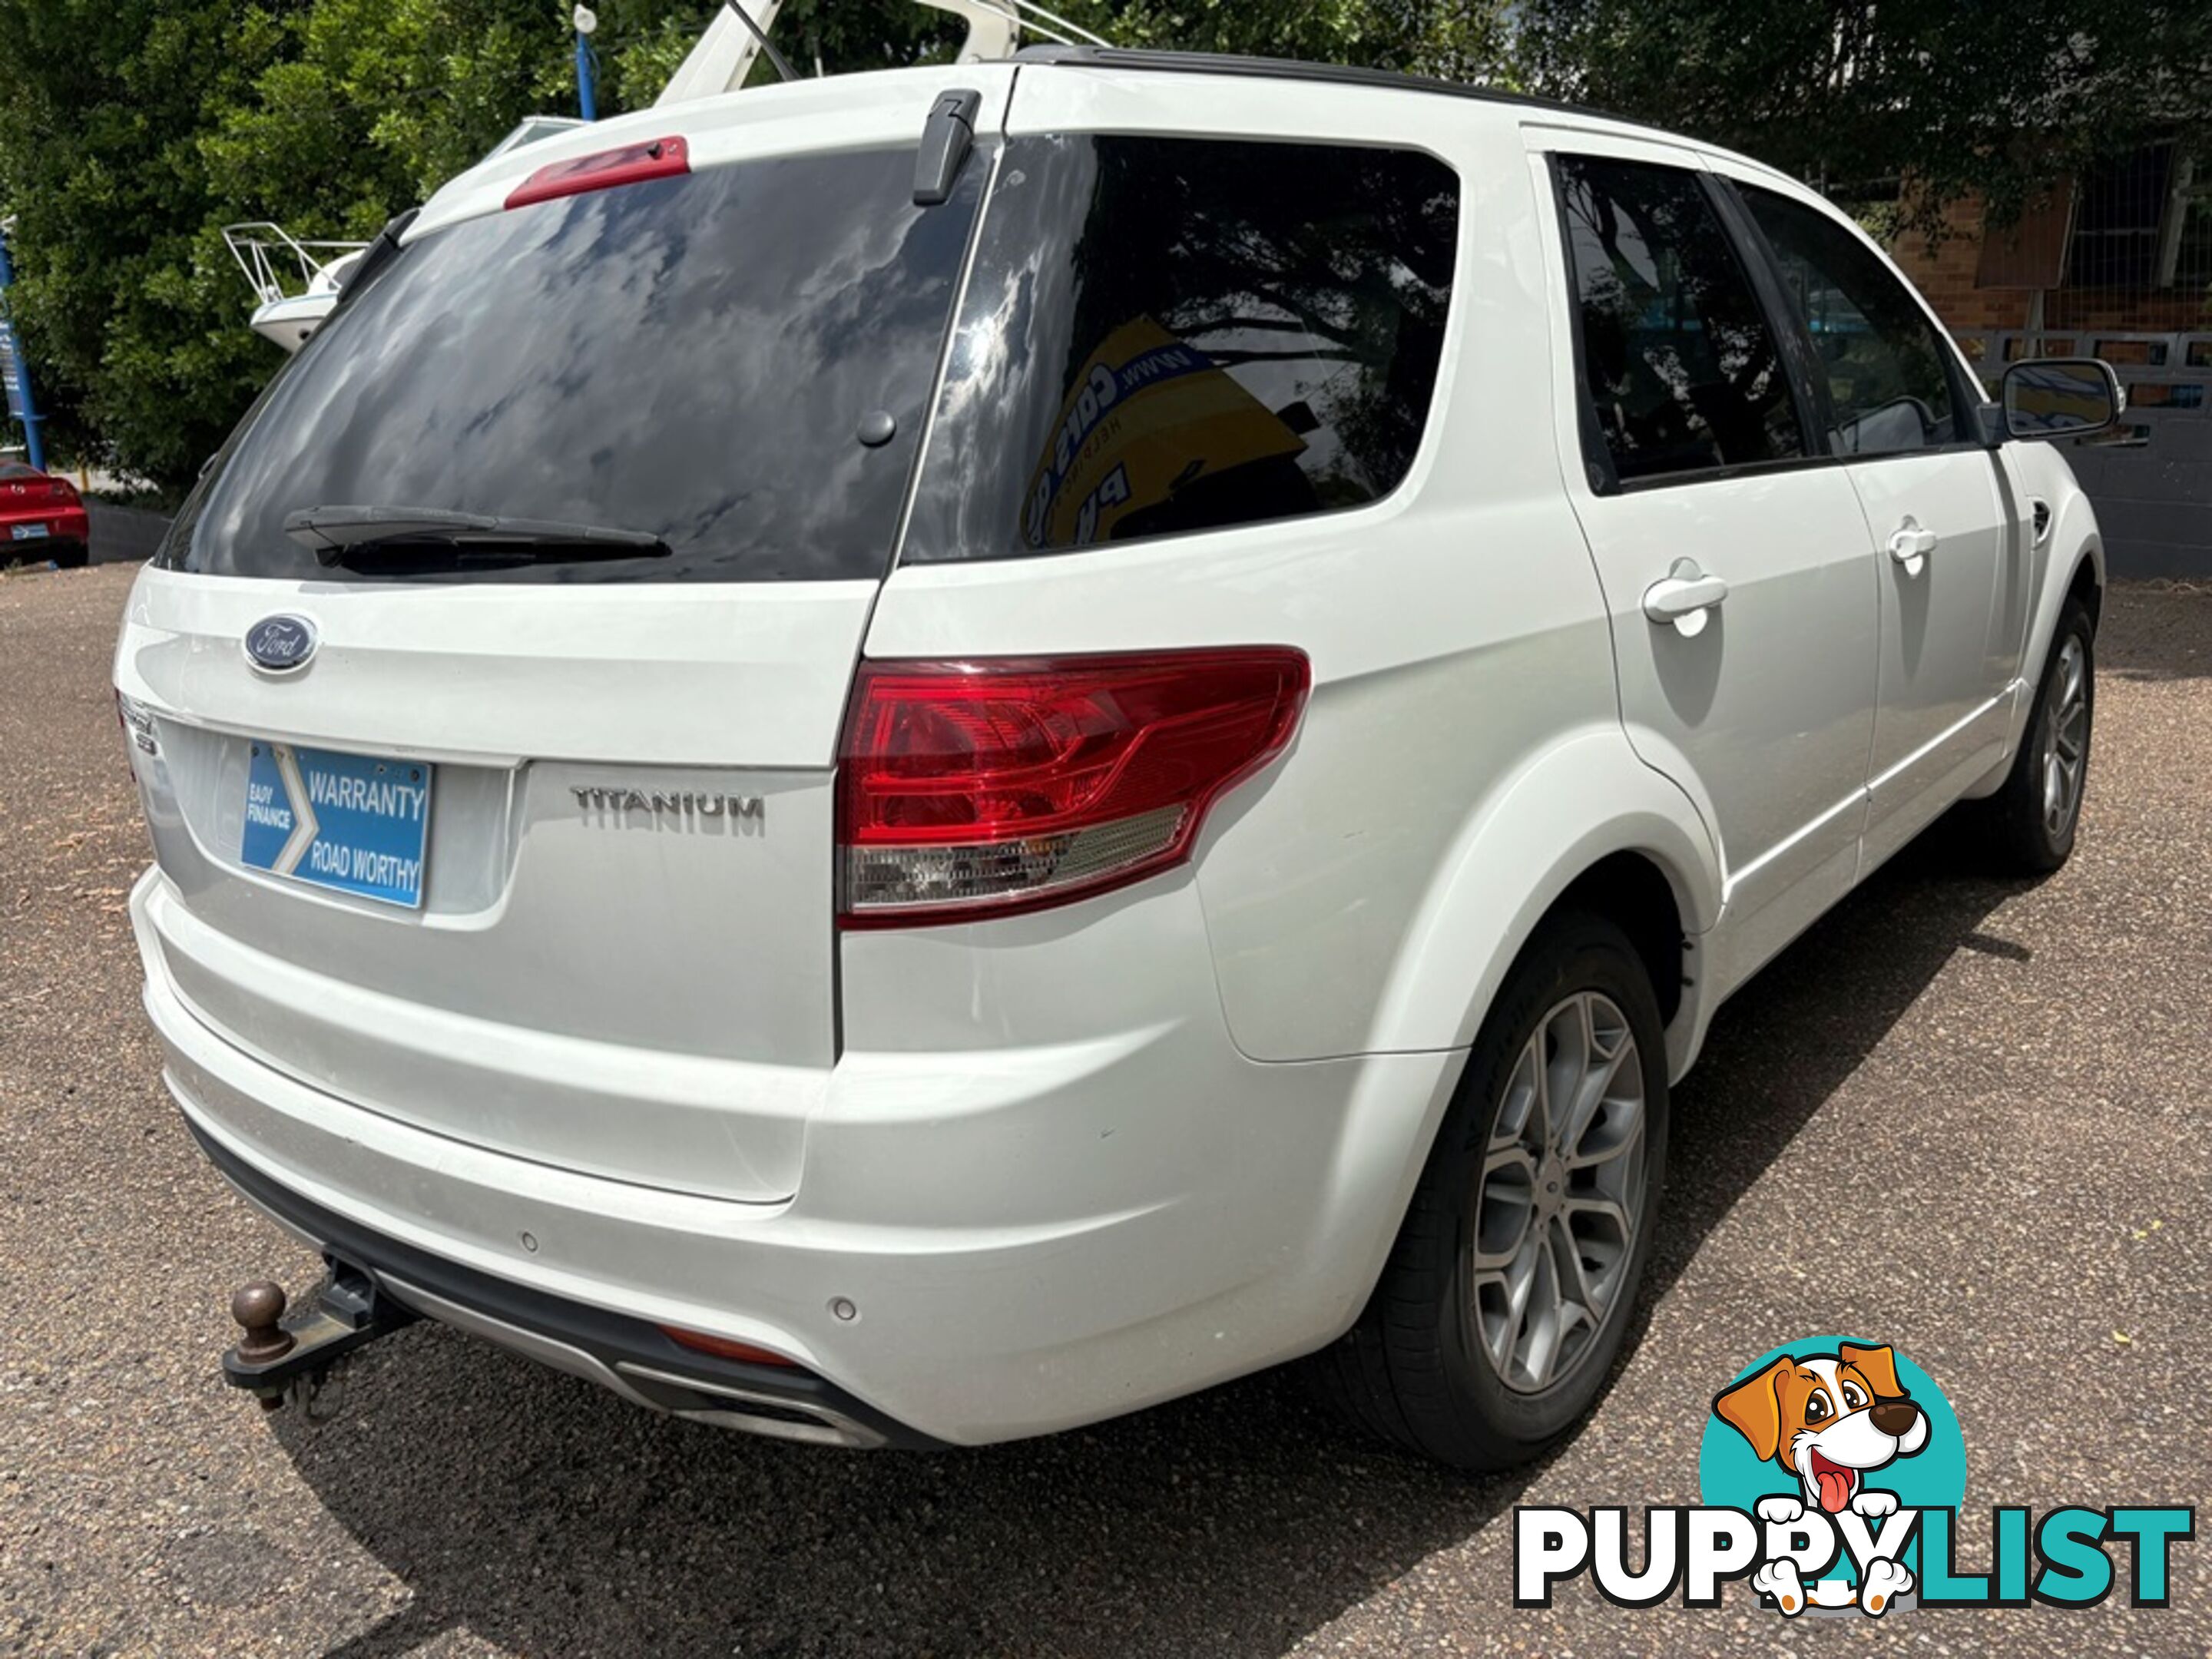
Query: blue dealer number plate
{"x": 348, "y": 822}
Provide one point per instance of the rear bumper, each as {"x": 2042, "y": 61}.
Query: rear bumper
{"x": 68, "y": 525}
{"x": 630, "y": 1356}
{"x": 1049, "y": 1249}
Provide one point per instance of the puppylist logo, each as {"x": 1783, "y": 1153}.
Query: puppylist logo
{"x": 1832, "y": 1475}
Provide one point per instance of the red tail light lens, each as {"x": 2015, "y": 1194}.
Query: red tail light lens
{"x": 603, "y": 170}
{"x": 977, "y": 789}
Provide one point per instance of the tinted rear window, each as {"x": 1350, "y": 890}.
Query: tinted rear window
{"x": 690, "y": 356}
{"x": 1165, "y": 334}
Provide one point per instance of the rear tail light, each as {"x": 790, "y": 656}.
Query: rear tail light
{"x": 976, "y": 789}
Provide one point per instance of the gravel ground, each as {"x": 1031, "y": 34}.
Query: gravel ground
{"x": 1969, "y": 1115}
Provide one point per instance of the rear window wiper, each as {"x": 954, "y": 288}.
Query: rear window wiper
{"x": 426, "y": 537}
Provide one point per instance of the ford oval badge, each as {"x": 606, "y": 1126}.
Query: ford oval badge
{"x": 279, "y": 645}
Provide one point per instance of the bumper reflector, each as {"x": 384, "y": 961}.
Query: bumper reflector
{"x": 723, "y": 1347}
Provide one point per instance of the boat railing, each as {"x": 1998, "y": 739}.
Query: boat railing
{"x": 278, "y": 265}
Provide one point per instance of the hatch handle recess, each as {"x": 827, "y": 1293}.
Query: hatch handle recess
{"x": 947, "y": 139}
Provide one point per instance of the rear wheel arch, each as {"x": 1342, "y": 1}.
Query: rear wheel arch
{"x": 1646, "y": 865}
{"x": 1589, "y": 818}
{"x": 1652, "y": 901}
{"x": 1411, "y": 1367}
{"x": 1645, "y": 882}
{"x": 1635, "y": 892}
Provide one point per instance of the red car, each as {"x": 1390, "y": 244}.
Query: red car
{"x": 41, "y": 517}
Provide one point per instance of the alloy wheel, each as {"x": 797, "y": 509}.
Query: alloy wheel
{"x": 2065, "y": 738}
{"x": 1561, "y": 1194}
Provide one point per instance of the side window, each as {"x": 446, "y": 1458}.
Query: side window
{"x": 1682, "y": 368}
{"x": 1169, "y": 335}
{"x": 1887, "y": 387}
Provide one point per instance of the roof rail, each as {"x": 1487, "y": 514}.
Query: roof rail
{"x": 1293, "y": 69}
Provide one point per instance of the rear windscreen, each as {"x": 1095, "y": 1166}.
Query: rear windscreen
{"x": 694, "y": 357}
{"x": 1169, "y": 335}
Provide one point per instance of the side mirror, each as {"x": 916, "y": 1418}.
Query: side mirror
{"x": 2060, "y": 397}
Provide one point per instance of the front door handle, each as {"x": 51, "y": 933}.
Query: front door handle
{"x": 1685, "y": 597}
{"x": 1910, "y": 545}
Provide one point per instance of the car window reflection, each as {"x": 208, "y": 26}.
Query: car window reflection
{"x": 1170, "y": 335}
{"x": 688, "y": 356}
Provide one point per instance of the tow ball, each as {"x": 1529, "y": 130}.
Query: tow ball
{"x": 283, "y": 1355}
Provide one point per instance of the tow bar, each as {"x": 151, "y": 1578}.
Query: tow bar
{"x": 284, "y": 1355}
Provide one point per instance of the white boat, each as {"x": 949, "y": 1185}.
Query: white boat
{"x": 295, "y": 282}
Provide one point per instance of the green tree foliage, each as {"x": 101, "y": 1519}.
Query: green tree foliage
{"x": 1956, "y": 96}
{"x": 1460, "y": 38}
{"x": 371, "y": 104}
{"x": 132, "y": 130}
{"x": 102, "y": 106}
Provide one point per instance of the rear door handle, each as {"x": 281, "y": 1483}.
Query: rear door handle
{"x": 1685, "y": 597}
{"x": 1910, "y": 545}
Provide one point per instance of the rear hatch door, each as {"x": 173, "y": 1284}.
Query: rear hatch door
{"x": 526, "y": 838}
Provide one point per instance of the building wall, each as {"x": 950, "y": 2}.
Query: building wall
{"x": 1944, "y": 271}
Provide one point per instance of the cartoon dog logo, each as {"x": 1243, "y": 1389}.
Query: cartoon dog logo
{"x": 1830, "y": 1421}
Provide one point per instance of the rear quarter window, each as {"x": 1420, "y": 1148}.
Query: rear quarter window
{"x": 1169, "y": 335}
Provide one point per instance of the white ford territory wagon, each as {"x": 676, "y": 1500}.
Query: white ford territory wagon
{"x": 917, "y": 759}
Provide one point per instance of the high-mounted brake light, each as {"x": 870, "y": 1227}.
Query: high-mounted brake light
{"x": 970, "y": 790}
{"x": 603, "y": 170}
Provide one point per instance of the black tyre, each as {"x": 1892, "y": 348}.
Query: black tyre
{"x": 2030, "y": 821}
{"x": 1513, "y": 1279}
{"x": 72, "y": 555}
